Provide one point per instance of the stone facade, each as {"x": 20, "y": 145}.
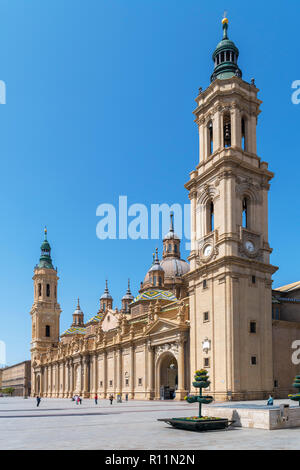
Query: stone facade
{"x": 17, "y": 377}
{"x": 219, "y": 312}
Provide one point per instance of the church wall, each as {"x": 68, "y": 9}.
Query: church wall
{"x": 284, "y": 334}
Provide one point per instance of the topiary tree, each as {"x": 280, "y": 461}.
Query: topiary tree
{"x": 201, "y": 381}
{"x": 296, "y": 384}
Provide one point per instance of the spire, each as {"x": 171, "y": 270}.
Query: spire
{"x": 225, "y": 57}
{"x": 78, "y": 316}
{"x": 128, "y": 295}
{"x": 172, "y": 222}
{"x": 106, "y": 294}
{"x": 45, "y": 258}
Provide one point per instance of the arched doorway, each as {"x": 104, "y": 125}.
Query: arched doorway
{"x": 167, "y": 376}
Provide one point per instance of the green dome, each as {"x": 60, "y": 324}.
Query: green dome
{"x": 45, "y": 258}
{"x": 225, "y": 58}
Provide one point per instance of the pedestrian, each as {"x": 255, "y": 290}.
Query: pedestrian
{"x": 270, "y": 401}
{"x": 126, "y": 396}
{"x": 111, "y": 397}
{"x": 80, "y": 400}
{"x": 96, "y": 399}
{"x": 38, "y": 401}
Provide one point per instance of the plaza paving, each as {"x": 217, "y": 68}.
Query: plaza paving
{"x": 61, "y": 424}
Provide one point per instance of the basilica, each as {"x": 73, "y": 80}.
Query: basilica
{"x": 216, "y": 311}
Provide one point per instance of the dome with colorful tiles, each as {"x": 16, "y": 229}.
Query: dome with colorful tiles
{"x": 156, "y": 294}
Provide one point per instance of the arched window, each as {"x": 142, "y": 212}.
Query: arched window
{"x": 40, "y": 290}
{"x": 211, "y": 221}
{"x": 175, "y": 248}
{"x": 210, "y": 136}
{"x": 227, "y": 131}
{"x": 48, "y": 290}
{"x": 245, "y": 222}
{"x": 154, "y": 280}
{"x": 47, "y": 332}
{"x": 244, "y": 141}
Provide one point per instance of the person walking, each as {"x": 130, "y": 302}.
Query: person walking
{"x": 111, "y": 397}
{"x": 96, "y": 399}
{"x": 126, "y": 396}
{"x": 80, "y": 400}
{"x": 38, "y": 401}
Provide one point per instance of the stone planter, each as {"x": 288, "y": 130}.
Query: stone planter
{"x": 198, "y": 425}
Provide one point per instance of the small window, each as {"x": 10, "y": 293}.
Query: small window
{"x": 205, "y": 316}
{"x": 101, "y": 383}
{"x": 110, "y": 383}
{"x": 48, "y": 290}
{"x": 211, "y": 217}
{"x": 275, "y": 383}
{"x": 175, "y": 248}
{"x": 154, "y": 280}
{"x": 206, "y": 362}
{"x": 126, "y": 382}
{"x": 253, "y": 279}
{"x": 245, "y": 221}
{"x": 253, "y": 360}
{"x": 210, "y": 138}
{"x": 252, "y": 327}
{"x": 47, "y": 332}
{"x": 204, "y": 284}
{"x": 140, "y": 381}
{"x": 244, "y": 143}
{"x": 40, "y": 290}
{"x": 160, "y": 281}
{"x": 169, "y": 248}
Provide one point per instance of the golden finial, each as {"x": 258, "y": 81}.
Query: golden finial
{"x": 225, "y": 19}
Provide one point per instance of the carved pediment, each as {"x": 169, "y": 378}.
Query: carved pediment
{"x": 161, "y": 326}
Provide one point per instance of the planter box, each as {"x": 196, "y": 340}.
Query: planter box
{"x": 199, "y": 426}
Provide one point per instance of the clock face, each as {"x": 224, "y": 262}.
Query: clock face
{"x": 249, "y": 246}
{"x": 207, "y": 250}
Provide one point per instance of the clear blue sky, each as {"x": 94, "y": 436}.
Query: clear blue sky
{"x": 100, "y": 95}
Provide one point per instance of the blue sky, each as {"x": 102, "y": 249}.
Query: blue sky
{"x": 100, "y": 95}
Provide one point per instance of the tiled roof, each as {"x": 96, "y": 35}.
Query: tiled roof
{"x": 156, "y": 294}
{"x": 74, "y": 330}
{"x": 289, "y": 287}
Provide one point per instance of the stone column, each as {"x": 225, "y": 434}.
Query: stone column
{"x": 201, "y": 141}
{"x": 119, "y": 387}
{"x": 150, "y": 388}
{"x": 71, "y": 378}
{"x": 104, "y": 374}
{"x": 95, "y": 373}
{"x": 51, "y": 381}
{"x": 181, "y": 392}
{"x": 132, "y": 373}
{"x": 236, "y": 128}
{"x": 86, "y": 370}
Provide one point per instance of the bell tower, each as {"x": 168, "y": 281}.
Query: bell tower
{"x": 45, "y": 312}
{"x": 230, "y": 281}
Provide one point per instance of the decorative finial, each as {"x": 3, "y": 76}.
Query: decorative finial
{"x": 171, "y": 221}
{"x": 45, "y": 231}
{"x": 78, "y": 305}
{"x": 225, "y": 25}
{"x": 156, "y": 258}
{"x": 153, "y": 254}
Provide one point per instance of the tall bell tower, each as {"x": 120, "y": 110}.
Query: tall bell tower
{"x": 45, "y": 312}
{"x": 230, "y": 283}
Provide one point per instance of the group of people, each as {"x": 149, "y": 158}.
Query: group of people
{"x": 78, "y": 399}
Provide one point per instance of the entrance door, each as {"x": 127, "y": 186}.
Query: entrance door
{"x": 168, "y": 376}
